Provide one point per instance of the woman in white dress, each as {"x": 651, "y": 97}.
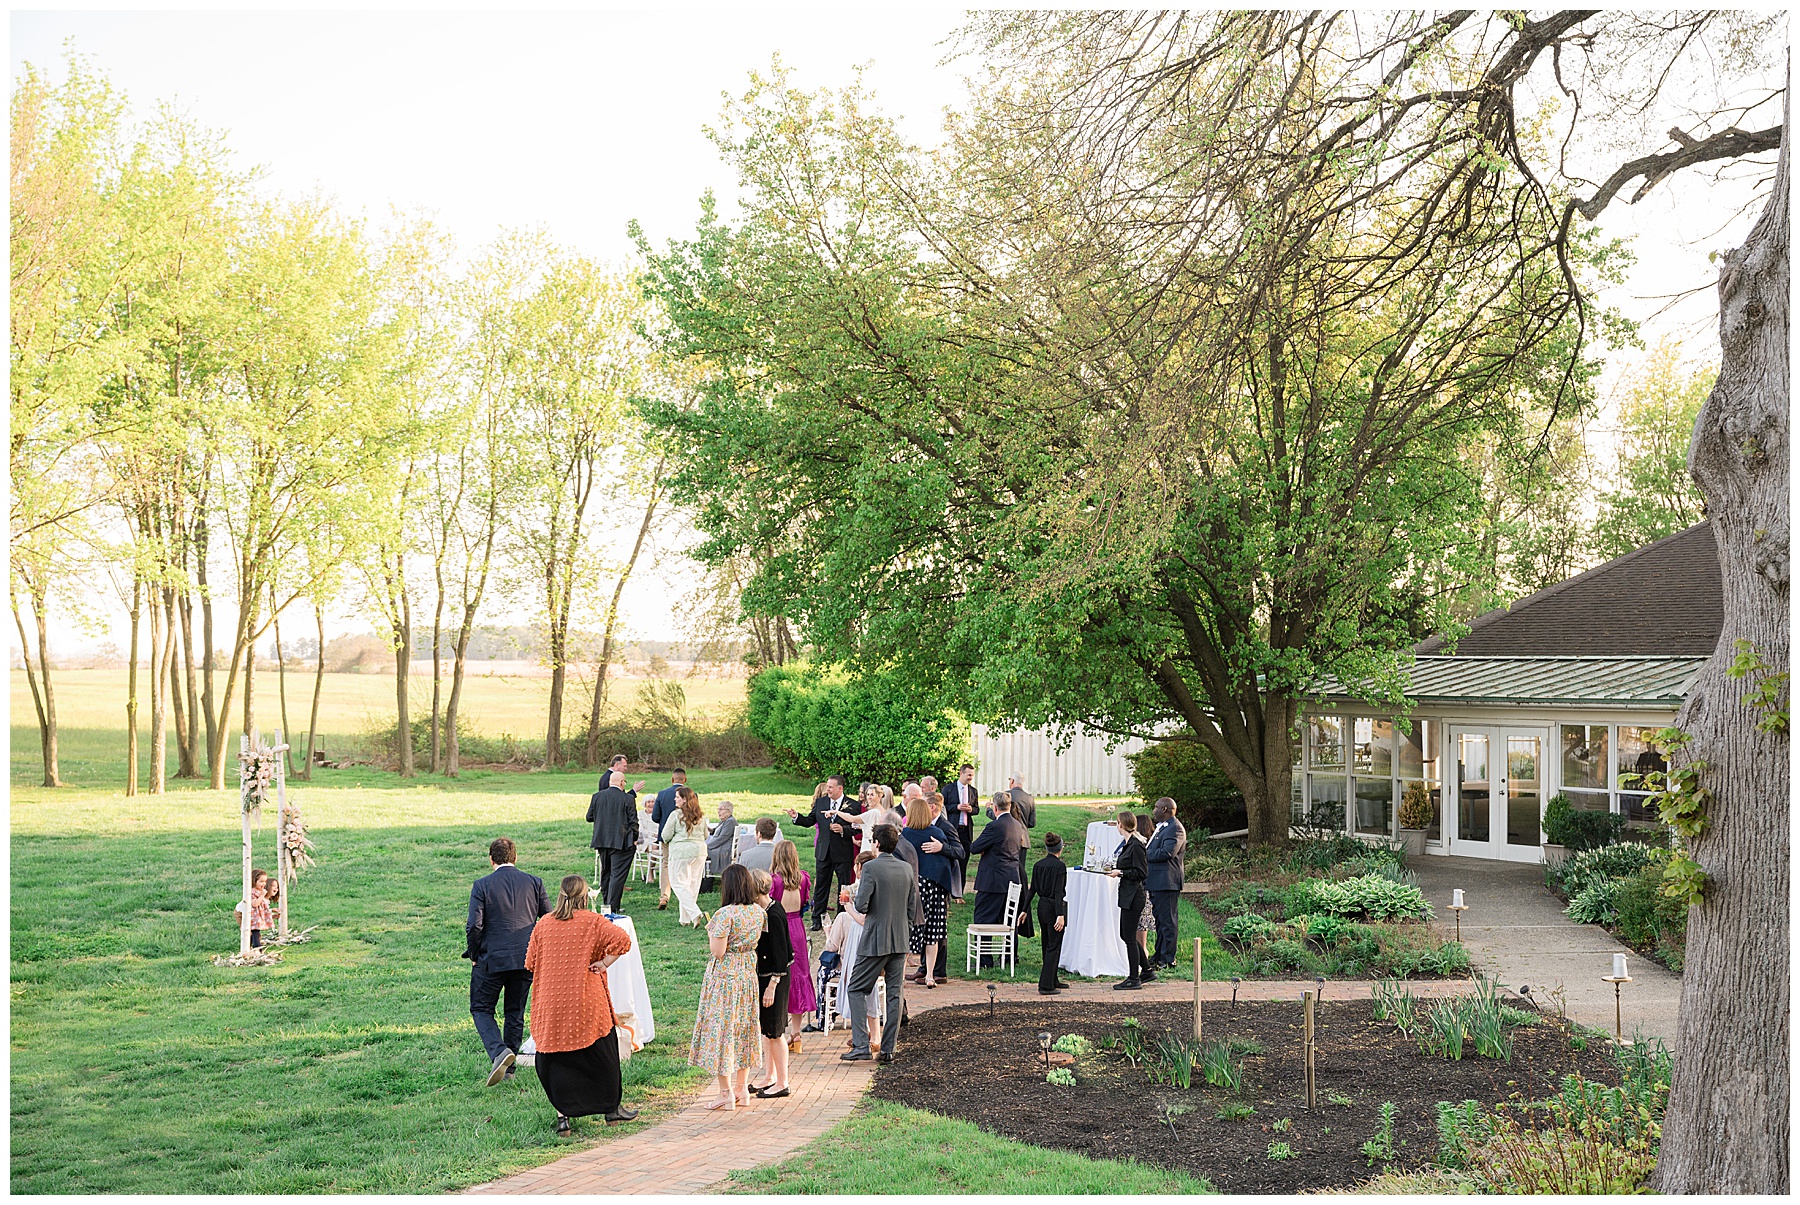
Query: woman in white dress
{"x": 684, "y": 835}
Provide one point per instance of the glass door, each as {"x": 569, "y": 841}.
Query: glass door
{"x": 1499, "y": 793}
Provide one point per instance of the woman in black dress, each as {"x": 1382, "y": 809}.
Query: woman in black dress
{"x": 1050, "y": 888}
{"x": 1132, "y": 869}
{"x": 774, "y": 959}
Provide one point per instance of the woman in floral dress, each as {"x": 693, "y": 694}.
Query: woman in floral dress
{"x": 727, "y": 1038}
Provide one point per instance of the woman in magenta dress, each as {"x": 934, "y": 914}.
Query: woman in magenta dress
{"x": 792, "y": 885}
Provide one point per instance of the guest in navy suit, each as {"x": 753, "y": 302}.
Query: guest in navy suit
{"x": 504, "y": 906}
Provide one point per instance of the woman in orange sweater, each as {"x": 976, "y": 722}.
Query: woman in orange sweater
{"x": 571, "y": 1008}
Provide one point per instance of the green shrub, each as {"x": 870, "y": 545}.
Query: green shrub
{"x": 1578, "y": 829}
{"x": 1459, "y": 1128}
{"x": 1373, "y": 896}
{"x": 1184, "y": 771}
{"x": 818, "y": 722}
{"x": 1247, "y": 926}
{"x": 1327, "y": 929}
{"x": 1595, "y": 903}
{"x": 1302, "y": 899}
{"x": 1284, "y": 954}
{"x": 1592, "y": 866}
{"x": 1073, "y": 1043}
{"x": 1646, "y": 912}
{"x": 1221, "y": 1066}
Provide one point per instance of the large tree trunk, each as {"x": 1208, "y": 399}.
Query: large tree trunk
{"x": 453, "y": 747}
{"x": 41, "y": 696}
{"x": 131, "y": 691}
{"x": 1727, "y": 1124}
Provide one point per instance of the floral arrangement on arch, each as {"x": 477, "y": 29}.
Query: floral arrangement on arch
{"x": 258, "y": 787}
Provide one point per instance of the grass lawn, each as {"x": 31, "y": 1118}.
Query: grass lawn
{"x": 137, "y": 1066}
{"x": 921, "y": 1152}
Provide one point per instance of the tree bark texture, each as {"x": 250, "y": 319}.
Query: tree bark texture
{"x": 1726, "y": 1129}
{"x": 312, "y": 723}
{"x": 612, "y": 614}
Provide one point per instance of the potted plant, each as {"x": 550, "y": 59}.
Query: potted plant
{"x": 1415, "y": 817}
{"x": 1558, "y": 826}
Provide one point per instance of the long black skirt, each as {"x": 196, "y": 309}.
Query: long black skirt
{"x": 583, "y": 1083}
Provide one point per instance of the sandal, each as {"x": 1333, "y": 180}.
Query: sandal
{"x": 793, "y": 1045}
{"x": 563, "y": 1126}
{"x": 725, "y": 1102}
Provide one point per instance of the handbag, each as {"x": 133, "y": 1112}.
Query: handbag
{"x": 1024, "y": 927}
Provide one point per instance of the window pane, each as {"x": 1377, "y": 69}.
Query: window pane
{"x": 1473, "y": 788}
{"x": 1375, "y": 807}
{"x": 1327, "y": 740}
{"x": 1638, "y": 809}
{"x": 1584, "y": 757}
{"x": 1419, "y": 800}
{"x": 1589, "y": 801}
{"x": 1325, "y": 794}
{"x": 1637, "y": 755}
{"x": 1418, "y": 751}
{"x": 1524, "y": 797}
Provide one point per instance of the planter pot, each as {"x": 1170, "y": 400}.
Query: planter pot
{"x": 1555, "y": 855}
{"x": 1413, "y": 841}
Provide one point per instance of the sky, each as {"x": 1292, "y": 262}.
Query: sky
{"x": 579, "y": 122}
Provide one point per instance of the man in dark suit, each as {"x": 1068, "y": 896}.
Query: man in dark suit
{"x": 503, "y": 908}
{"x": 888, "y": 897}
{"x": 614, "y": 814}
{"x": 961, "y": 803}
{"x": 1001, "y": 846}
{"x": 659, "y": 815}
{"x": 1168, "y": 845}
{"x": 833, "y": 851}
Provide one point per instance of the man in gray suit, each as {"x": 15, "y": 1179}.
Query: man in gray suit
{"x": 887, "y": 895}
{"x": 761, "y": 856}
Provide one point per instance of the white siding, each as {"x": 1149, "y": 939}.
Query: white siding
{"x": 1084, "y": 768}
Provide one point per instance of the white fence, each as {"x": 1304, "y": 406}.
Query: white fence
{"x": 1084, "y": 768}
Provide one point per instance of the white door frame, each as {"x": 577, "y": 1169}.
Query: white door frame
{"x": 1496, "y": 847}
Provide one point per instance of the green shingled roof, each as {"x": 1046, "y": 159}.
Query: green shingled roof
{"x": 1659, "y": 682}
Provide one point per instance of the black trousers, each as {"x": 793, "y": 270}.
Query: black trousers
{"x": 824, "y": 894}
{"x": 484, "y": 993}
{"x": 1046, "y": 919}
{"x": 1168, "y": 925}
{"x": 615, "y": 868}
{"x": 1130, "y": 913}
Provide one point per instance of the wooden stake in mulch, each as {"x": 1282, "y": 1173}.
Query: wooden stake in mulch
{"x": 1196, "y": 989}
{"x": 1308, "y": 1003}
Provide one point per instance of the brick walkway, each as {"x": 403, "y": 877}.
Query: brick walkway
{"x": 697, "y": 1148}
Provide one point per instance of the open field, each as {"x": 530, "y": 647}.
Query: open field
{"x": 90, "y": 708}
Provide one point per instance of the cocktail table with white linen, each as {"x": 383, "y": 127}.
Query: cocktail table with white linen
{"x": 1091, "y": 944}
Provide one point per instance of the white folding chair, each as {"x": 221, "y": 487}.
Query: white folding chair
{"x": 644, "y": 861}
{"x": 1000, "y": 941}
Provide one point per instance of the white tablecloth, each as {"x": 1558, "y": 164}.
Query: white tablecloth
{"x": 1091, "y": 944}
{"x": 1102, "y": 838}
{"x": 626, "y": 984}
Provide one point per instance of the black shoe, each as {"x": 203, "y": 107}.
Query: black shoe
{"x": 1046, "y": 991}
{"x": 502, "y": 1064}
{"x": 884, "y": 1057}
{"x": 621, "y": 1115}
{"x": 855, "y": 1056}
{"x": 1063, "y": 987}
{"x": 511, "y": 1071}
{"x": 1128, "y": 985}
{"x": 812, "y": 1029}
{"x": 1146, "y": 976}
{"x": 777, "y": 1095}
{"x": 563, "y": 1126}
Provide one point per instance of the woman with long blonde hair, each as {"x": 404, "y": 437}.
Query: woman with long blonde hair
{"x": 571, "y": 1008}
{"x": 684, "y": 836}
{"x": 793, "y": 886}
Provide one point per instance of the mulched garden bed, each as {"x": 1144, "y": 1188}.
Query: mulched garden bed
{"x": 957, "y": 1062}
